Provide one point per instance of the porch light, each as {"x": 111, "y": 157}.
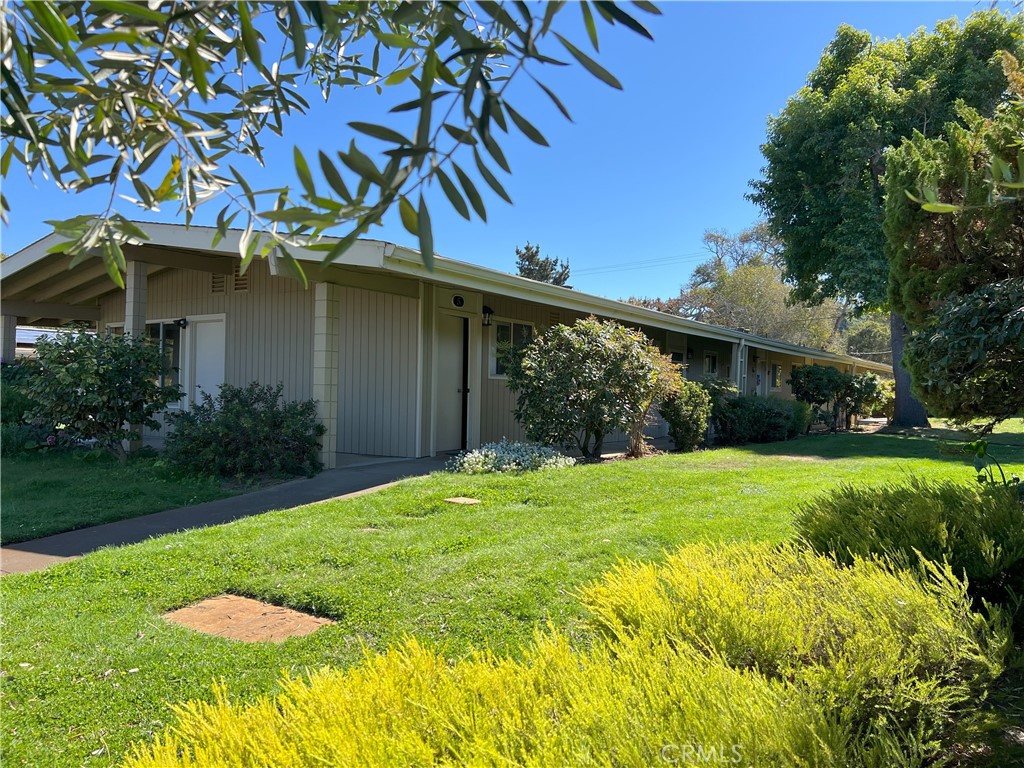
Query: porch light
{"x": 488, "y": 314}
{"x": 181, "y": 322}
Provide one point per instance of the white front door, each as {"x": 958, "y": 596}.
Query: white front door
{"x": 451, "y": 395}
{"x": 205, "y": 371}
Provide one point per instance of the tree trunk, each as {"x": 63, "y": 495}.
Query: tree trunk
{"x": 907, "y": 409}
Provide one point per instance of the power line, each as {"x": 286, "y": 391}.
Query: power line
{"x": 642, "y": 264}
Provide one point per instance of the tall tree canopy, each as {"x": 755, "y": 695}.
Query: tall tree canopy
{"x": 822, "y": 190}
{"x": 153, "y": 100}
{"x": 954, "y": 222}
{"x": 529, "y": 263}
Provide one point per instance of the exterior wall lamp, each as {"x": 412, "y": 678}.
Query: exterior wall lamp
{"x": 488, "y": 314}
{"x": 181, "y": 323}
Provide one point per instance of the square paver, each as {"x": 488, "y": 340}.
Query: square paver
{"x": 242, "y": 618}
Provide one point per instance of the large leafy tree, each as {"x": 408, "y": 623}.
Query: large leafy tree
{"x": 156, "y": 100}
{"x": 823, "y": 190}
{"x": 547, "y": 269}
{"x": 954, "y": 220}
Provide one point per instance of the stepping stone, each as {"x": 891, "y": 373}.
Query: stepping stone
{"x": 245, "y": 619}
{"x": 462, "y": 500}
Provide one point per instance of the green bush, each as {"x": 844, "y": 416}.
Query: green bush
{"x": 895, "y": 657}
{"x": 800, "y": 416}
{"x": 978, "y": 530}
{"x": 750, "y": 419}
{"x": 576, "y": 384}
{"x": 686, "y": 411}
{"x": 19, "y": 438}
{"x": 98, "y": 387}
{"x": 246, "y": 432}
{"x": 15, "y": 404}
{"x": 738, "y": 654}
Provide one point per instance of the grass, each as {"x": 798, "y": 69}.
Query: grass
{"x": 52, "y": 492}
{"x": 90, "y": 666}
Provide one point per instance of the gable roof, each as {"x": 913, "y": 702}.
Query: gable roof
{"x": 40, "y": 280}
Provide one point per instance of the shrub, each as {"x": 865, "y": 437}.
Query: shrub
{"x": 506, "y": 456}
{"x": 15, "y": 404}
{"x": 19, "y": 438}
{"x": 100, "y": 387}
{"x": 895, "y": 657}
{"x": 881, "y": 407}
{"x": 821, "y": 386}
{"x": 800, "y": 416}
{"x": 246, "y": 432}
{"x": 557, "y": 707}
{"x": 977, "y": 530}
{"x": 687, "y": 411}
{"x": 749, "y": 419}
{"x": 749, "y": 654}
{"x": 576, "y": 384}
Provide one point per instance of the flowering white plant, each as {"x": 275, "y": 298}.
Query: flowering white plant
{"x": 506, "y": 456}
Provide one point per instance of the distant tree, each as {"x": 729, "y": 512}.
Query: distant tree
{"x": 741, "y": 286}
{"x": 155, "y": 101}
{"x": 826, "y": 153}
{"x": 529, "y": 263}
{"x": 869, "y": 336}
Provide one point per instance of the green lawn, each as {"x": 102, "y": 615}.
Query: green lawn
{"x": 89, "y": 665}
{"x": 48, "y": 493}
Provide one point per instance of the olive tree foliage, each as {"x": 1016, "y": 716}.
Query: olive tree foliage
{"x": 954, "y": 221}
{"x": 155, "y": 100}
{"x": 546, "y": 269}
{"x": 576, "y": 384}
{"x": 826, "y": 152}
{"x": 100, "y": 387}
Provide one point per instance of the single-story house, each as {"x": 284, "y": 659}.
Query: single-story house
{"x": 400, "y": 360}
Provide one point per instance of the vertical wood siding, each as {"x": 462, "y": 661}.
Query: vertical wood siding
{"x": 268, "y": 328}
{"x": 377, "y": 376}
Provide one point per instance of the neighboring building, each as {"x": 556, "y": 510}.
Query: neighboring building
{"x": 401, "y": 360}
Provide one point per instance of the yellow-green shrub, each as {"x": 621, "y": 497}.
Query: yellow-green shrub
{"x": 617, "y": 704}
{"x": 885, "y": 653}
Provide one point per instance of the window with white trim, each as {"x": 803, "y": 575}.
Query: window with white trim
{"x": 504, "y": 334}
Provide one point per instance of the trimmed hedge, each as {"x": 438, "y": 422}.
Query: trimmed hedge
{"x": 743, "y": 654}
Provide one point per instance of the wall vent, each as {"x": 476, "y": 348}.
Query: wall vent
{"x": 218, "y": 283}
{"x": 555, "y": 318}
{"x": 240, "y": 282}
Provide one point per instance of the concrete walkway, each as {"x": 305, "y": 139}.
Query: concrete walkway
{"x": 348, "y": 481}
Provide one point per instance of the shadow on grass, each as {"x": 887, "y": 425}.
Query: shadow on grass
{"x": 853, "y": 445}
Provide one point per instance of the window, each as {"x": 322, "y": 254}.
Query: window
{"x": 168, "y": 336}
{"x": 710, "y": 364}
{"x": 505, "y": 335}
{"x": 776, "y": 377}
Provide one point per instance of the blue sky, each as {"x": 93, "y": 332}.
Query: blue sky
{"x": 625, "y": 192}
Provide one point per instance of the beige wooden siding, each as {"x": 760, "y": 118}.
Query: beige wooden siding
{"x": 378, "y": 373}
{"x": 268, "y": 328}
